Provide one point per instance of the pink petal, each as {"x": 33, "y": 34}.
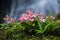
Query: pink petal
{"x": 32, "y": 15}
{"x": 29, "y": 11}
{"x": 31, "y": 19}
{"x": 42, "y": 17}
{"x": 42, "y": 20}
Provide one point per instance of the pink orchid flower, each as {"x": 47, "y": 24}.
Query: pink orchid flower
{"x": 29, "y": 11}
{"x": 14, "y": 18}
{"x": 32, "y": 15}
{"x": 41, "y": 14}
{"x": 42, "y": 17}
{"x": 24, "y": 17}
{"x": 42, "y": 20}
{"x": 31, "y": 19}
{"x": 21, "y": 19}
{"x": 10, "y": 20}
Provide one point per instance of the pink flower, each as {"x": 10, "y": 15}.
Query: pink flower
{"x": 32, "y": 15}
{"x": 21, "y": 19}
{"x": 29, "y": 11}
{"x": 41, "y": 14}
{"x": 36, "y": 14}
{"x": 31, "y": 19}
{"x": 24, "y": 17}
{"x": 10, "y": 20}
{"x": 14, "y": 18}
{"x": 42, "y": 17}
{"x": 42, "y": 20}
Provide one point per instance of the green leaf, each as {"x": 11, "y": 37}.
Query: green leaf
{"x": 9, "y": 30}
{"x": 46, "y": 27}
{"x": 38, "y": 31}
{"x": 3, "y": 24}
{"x": 40, "y": 26}
{"x": 30, "y": 30}
{"x": 14, "y": 27}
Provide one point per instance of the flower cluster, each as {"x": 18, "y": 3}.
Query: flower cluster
{"x": 32, "y": 22}
{"x": 29, "y": 16}
{"x": 10, "y": 20}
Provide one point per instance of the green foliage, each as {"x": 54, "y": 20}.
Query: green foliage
{"x": 18, "y": 29}
{"x": 35, "y": 26}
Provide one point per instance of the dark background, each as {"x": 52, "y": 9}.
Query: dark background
{"x": 4, "y": 8}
